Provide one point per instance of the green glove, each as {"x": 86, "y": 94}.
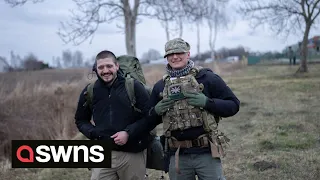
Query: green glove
{"x": 163, "y": 106}
{"x": 196, "y": 99}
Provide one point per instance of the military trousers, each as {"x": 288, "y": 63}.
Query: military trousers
{"x": 191, "y": 165}
{"x": 124, "y": 166}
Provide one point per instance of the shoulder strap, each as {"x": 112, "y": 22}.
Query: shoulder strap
{"x": 129, "y": 84}
{"x": 165, "y": 77}
{"x": 89, "y": 95}
{"x": 195, "y": 70}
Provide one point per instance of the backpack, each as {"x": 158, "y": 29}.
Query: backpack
{"x": 130, "y": 68}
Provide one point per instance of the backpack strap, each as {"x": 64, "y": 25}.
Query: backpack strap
{"x": 88, "y": 94}
{"x": 129, "y": 84}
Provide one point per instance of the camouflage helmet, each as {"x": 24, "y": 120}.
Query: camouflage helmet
{"x": 176, "y": 45}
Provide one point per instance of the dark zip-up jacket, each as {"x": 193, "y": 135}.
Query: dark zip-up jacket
{"x": 112, "y": 112}
{"x": 221, "y": 102}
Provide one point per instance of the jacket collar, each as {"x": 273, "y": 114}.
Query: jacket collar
{"x": 119, "y": 79}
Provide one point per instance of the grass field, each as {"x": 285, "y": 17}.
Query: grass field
{"x": 275, "y": 135}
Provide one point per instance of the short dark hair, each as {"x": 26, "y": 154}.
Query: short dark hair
{"x": 106, "y": 54}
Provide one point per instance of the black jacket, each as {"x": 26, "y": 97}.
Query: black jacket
{"x": 112, "y": 112}
{"x": 221, "y": 102}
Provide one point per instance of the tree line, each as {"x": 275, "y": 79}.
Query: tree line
{"x": 283, "y": 17}
{"x": 174, "y": 15}
{"x": 76, "y": 59}
{"x": 31, "y": 62}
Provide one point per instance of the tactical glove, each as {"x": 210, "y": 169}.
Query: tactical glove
{"x": 163, "y": 106}
{"x": 196, "y": 99}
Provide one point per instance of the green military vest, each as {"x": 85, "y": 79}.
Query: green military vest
{"x": 183, "y": 116}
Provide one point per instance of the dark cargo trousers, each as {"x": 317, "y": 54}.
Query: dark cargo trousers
{"x": 124, "y": 166}
{"x": 203, "y": 165}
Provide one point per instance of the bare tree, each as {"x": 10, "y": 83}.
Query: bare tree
{"x": 199, "y": 22}
{"x": 4, "y": 65}
{"x": 58, "y": 61}
{"x": 216, "y": 19}
{"x": 165, "y": 16}
{"x": 285, "y": 17}
{"x": 166, "y": 23}
{"x": 152, "y": 54}
{"x": 91, "y": 13}
{"x": 166, "y": 27}
{"x": 236, "y": 51}
{"x": 179, "y": 20}
{"x": 177, "y": 26}
{"x": 77, "y": 59}
{"x": 31, "y": 62}
{"x": 174, "y": 14}
{"x": 180, "y": 23}
{"x": 202, "y": 13}
{"x": 198, "y": 39}
{"x": 67, "y": 58}
{"x": 15, "y": 60}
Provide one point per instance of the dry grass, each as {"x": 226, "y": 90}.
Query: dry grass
{"x": 274, "y": 136}
{"x": 34, "y": 102}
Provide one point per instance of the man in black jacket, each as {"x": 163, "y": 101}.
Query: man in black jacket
{"x": 188, "y": 101}
{"x": 114, "y": 119}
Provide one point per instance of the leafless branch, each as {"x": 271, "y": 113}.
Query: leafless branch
{"x": 85, "y": 22}
{"x": 89, "y": 14}
{"x": 283, "y": 17}
{"x": 216, "y": 19}
{"x": 316, "y": 10}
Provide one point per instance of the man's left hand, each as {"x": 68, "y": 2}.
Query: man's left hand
{"x": 120, "y": 138}
{"x": 196, "y": 99}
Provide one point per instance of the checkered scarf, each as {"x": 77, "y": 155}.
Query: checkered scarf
{"x": 181, "y": 72}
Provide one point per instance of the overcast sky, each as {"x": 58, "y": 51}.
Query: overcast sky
{"x": 34, "y": 27}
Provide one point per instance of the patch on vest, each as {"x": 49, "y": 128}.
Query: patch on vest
{"x": 176, "y": 92}
{"x": 175, "y": 89}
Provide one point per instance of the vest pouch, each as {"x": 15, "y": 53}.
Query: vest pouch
{"x": 218, "y": 144}
{"x": 206, "y": 125}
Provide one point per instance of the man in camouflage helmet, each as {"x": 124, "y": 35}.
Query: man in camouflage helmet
{"x": 189, "y": 101}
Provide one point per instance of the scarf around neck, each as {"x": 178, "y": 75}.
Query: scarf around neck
{"x": 180, "y": 72}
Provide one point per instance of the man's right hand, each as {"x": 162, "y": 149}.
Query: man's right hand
{"x": 163, "y": 106}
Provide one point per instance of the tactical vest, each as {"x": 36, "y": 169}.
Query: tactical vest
{"x": 183, "y": 116}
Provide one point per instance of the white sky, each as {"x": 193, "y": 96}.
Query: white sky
{"x": 33, "y": 28}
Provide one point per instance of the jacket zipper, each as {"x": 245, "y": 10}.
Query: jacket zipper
{"x": 110, "y": 109}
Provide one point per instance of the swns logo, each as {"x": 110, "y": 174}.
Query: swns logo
{"x": 61, "y": 154}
